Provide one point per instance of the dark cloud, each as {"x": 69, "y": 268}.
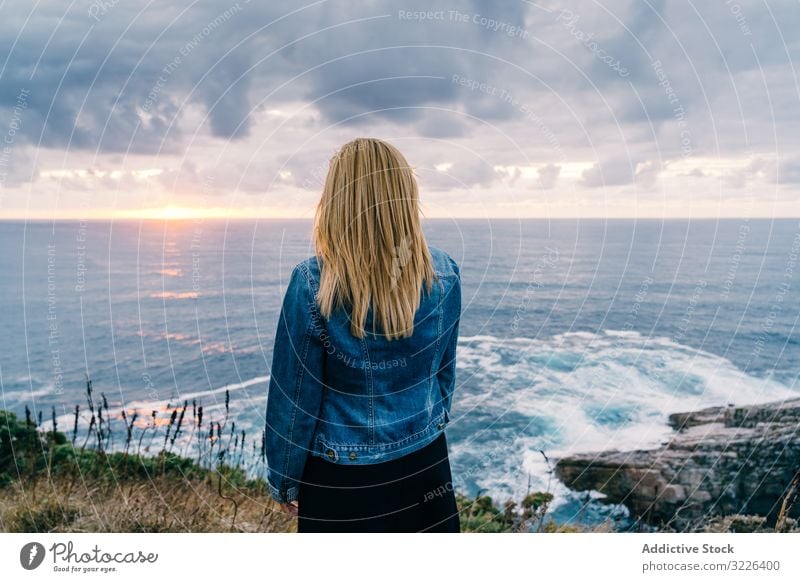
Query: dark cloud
{"x": 621, "y": 171}
{"x": 119, "y": 79}
{"x": 439, "y": 124}
{"x": 226, "y": 95}
{"x": 18, "y": 167}
{"x": 788, "y": 171}
{"x": 458, "y": 175}
{"x": 612, "y": 172}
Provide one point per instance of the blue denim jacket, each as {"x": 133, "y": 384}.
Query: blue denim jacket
{"x": 357, "y": 401}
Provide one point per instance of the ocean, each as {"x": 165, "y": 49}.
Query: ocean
{"x": 576, "y": 335}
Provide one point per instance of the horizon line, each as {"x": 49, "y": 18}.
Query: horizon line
{"x": 277, "y": 218}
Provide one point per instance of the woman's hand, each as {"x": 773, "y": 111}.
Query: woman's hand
{"x": 290, "y": 508}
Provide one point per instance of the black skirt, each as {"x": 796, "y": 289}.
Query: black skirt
{"x": 413, "y": 493}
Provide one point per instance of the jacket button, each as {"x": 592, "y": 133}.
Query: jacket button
{"x": 352, "y": 456}
{"x": 330, "y": 454}
{"x": 440, "y": 426}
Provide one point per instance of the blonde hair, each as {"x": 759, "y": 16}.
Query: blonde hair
{"x": 369, "y": 239}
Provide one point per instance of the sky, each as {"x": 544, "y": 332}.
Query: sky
{"x": 179, "y": 109}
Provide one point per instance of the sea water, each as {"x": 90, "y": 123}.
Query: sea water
{"x": 576, "y": 335}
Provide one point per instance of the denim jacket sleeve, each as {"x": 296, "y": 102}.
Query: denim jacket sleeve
{"x": 447, "y": 370}
{"x": 295, "y": 387}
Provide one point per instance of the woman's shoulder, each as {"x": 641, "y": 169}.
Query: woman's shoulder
{"x": 443, "y": 264}
{"x": 308, "y": 265}
{"x": 307, "y": 271}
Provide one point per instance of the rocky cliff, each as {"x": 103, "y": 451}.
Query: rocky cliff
{"x": 720, "y": 461}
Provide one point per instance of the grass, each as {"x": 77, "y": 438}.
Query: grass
{"x": 172, "y": 470}
{"x": 176, "y": 470}
{"x": 49, "y": 484}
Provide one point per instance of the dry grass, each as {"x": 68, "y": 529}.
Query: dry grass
{"x": 163, "y": 504}
{"x": 52, "y": 483}
{"x": 790, "y": 498}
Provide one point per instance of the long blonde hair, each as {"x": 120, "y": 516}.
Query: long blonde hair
{"x": 369, "y": 239}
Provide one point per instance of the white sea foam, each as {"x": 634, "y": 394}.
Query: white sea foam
{"x": 575, "y": 392}
{"x": 211, "y": 401}
{"x": 581, "y": 392}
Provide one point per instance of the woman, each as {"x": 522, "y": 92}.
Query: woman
{"x": 363, "y": 368}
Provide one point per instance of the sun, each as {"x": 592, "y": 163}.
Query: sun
{"x": 171, "y": 213}
{"x": 175, "y": 213}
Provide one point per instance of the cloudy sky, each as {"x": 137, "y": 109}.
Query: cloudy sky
{"x": 614, "y": 108}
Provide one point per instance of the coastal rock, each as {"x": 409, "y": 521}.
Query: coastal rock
{"x": 720, "y": 461}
